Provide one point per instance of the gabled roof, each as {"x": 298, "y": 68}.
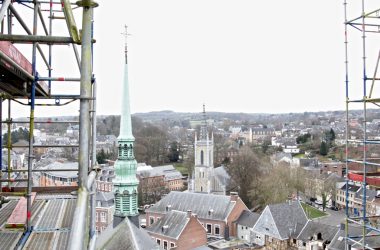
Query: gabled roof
{"x": 106, "y": 199}
{"x": 125, "y": 236}
{"x": 312, "y": 229}
{"x": 171, "y": 224}
{"x": 338, "y": 242}
{"x": 248, "y": 218}
{"x": 206, "y": 206}
{"x": 221, "y": 174}
{"x": 282, "y": 220}
{"x": 289, "y": 217}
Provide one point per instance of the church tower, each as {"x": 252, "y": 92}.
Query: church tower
{"x": 203, "y": 159}
{"x": 125, "y": 183}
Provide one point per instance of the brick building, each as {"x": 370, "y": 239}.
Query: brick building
{"x": 59, "y": 178}
{"x": 178, "y": 230}
{"x": 104, "y": 210}
{"x": 217, "y": 213}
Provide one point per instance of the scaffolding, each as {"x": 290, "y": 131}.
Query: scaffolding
{"x": 23, "y": 82}
{"x": 361, "y": 167}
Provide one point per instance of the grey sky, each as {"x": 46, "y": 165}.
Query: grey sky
{"x": 236, "y": 56}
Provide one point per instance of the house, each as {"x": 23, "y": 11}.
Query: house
{"x": 125, "y": 236}
{"x": 104, "y": 210}
{"x": 178, "y": 230}
{"x": 245, "y": 224}
{"x": 315, "y": 235}
{"x": 217, "y": 213}
{"x": 355, "y": 201}
{"x": 278, "y": 224}
{"x": 104, "y": 179}
{"x": 173, "y": 179}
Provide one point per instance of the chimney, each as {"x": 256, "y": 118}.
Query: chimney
{"x": 189, "y": 213}
{"x": 234, "y": 196}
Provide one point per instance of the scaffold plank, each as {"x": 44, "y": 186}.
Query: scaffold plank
{"x": 19, "y": 214}
{"x": 7, "y": 210}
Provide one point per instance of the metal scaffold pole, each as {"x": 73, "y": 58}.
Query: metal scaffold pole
{"x": 361, "y": 215}
{"x": 79, "y": 235}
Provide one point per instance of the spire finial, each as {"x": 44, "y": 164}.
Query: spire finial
{"x": 125, "y": 33}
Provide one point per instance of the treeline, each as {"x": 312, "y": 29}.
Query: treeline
{"x": 152, "y": 144}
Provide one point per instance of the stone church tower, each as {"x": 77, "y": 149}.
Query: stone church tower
{"x": 203, "y": 159}
{"x": 125, "y": 183}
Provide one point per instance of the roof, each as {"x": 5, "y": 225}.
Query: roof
{"x": 221, "y": 175}
{"x": 168, "y": 171}
{"x": 351, "y": 188}
{"x": 312, "y": 229}
{"x": 125, "y": 236}
{"x": 288, "y": 216}
{"x": 338, "y": 242}
{"x": 206, "y": 206}
{"x": 60, "y": 165}
{"x": 171, "y": 224}
{"x": 247, "y": 218}
{"x": 106, "y": 199}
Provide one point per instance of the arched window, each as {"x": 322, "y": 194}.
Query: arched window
{"x": 202, "y": 156}
{"x": 201, "y": 189}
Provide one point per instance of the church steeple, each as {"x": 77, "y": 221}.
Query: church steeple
{"x": 204, "y": 130}
{"x": 125, "y": 182}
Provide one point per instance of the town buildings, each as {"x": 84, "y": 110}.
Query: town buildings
{"x": 216, "y": 213}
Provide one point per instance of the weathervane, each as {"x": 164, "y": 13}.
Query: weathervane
{"x": 126, "y": 34}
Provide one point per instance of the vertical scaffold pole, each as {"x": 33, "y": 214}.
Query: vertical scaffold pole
{"x": 31, "y": 123}
{"x": 79, "y": 235}
{"x": 364, "y": 185}
{"x": 347, "y": 128}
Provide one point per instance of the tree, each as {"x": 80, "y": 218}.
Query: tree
{"x": 323, "y": 149}
{"x": 174, "y": 152}
{"x": 245, "y": 170}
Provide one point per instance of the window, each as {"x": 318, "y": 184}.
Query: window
{"x": 202, "y": 157}
{"x": 208, "y": 226}
{"x": 172, "y": 244}
{"x": 165, "y": 244}
{"x": 217, "y": 229}
{"x": 103, "y": 217}
{"x": 158, "y": 242}
{"x": 151, "y": 220}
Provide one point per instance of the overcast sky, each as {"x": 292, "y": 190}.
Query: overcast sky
{"x": 264, "y": 56}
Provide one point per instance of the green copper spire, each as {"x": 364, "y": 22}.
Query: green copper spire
{"x": 125, "y": 182}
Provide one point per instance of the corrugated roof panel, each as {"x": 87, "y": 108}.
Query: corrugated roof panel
{"x": 9, "y": 239}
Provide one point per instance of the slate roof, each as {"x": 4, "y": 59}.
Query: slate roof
{"x": 289, "y": 218}
{"x": 221, "y": 174}
{"x": 351, "y": 188}
{"x": 338, "y": 242}
{"x": 106, "y": 199}
{"x": 168, "y": 171}
{"x": 171, "y": 224}
{"x": 219, "y": 205}
{"x": 247, "y": 218}
{"x": 125, "y": 236}
{"x": 313, "y": 228}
